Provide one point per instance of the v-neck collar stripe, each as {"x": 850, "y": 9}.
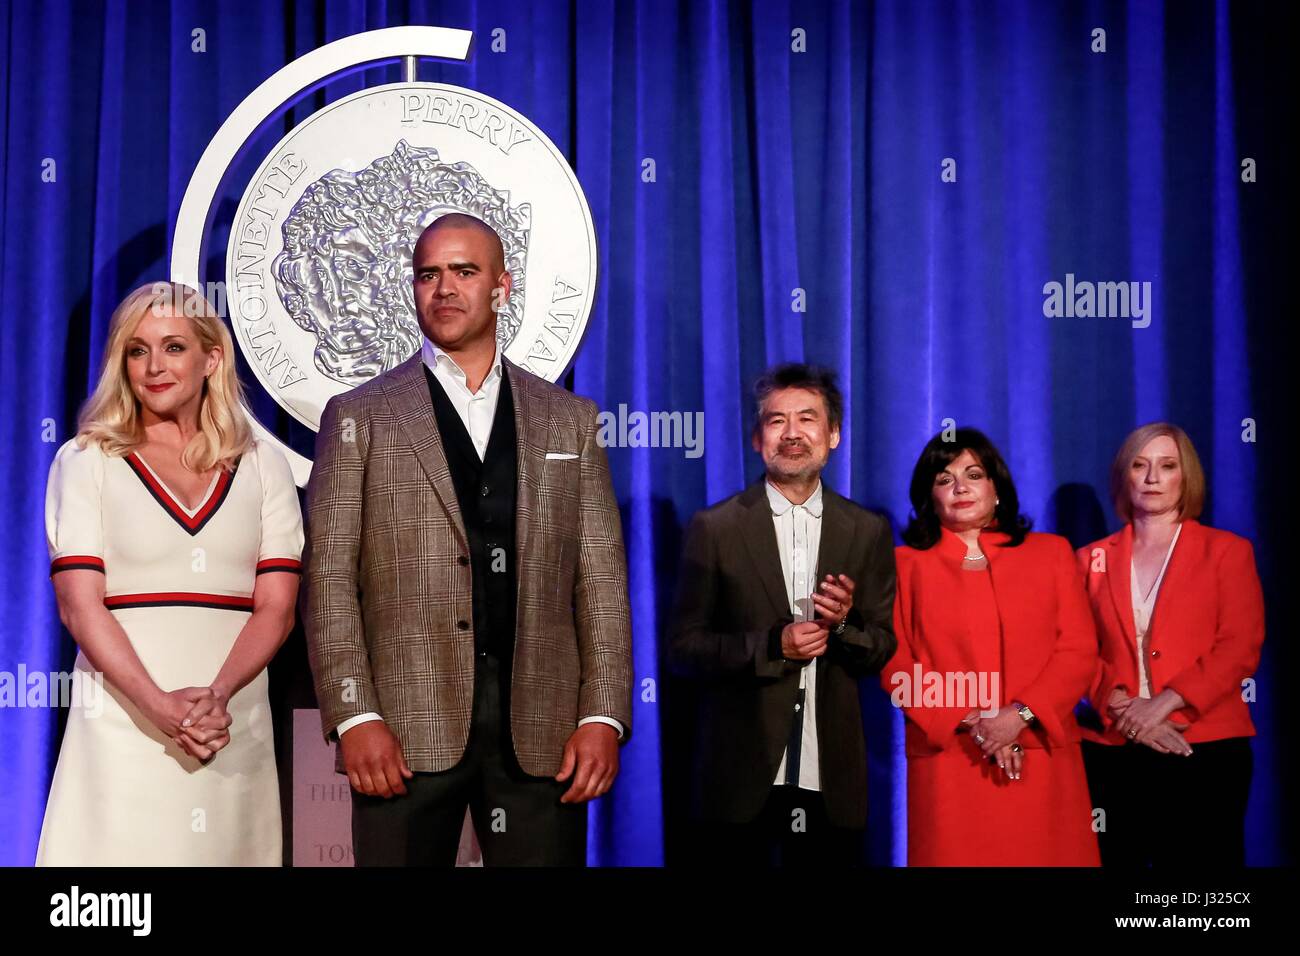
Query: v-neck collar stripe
{"x": 192, "y": 523}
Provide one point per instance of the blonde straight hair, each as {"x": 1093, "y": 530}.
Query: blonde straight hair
{"x": 1193, "y": 498}
{"x": 111, "y": 416}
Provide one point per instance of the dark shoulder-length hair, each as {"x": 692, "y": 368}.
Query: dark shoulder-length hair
{"x": 923, "y": 526}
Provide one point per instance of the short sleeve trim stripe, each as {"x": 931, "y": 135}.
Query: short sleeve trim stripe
{"x": 292, "y": 565}
{"x": 77, "y": 562}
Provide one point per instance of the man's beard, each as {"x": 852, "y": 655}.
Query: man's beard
{"x": 803, "y": 469}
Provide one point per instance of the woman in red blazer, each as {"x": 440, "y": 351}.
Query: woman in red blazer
{"x": 996, "y": 645}
{"x": 1180, "y": 613}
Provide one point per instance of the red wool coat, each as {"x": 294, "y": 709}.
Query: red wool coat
{"x": 1026, "y": 619}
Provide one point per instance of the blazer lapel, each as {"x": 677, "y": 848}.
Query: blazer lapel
{"x": 1180, "y": 567}
{"x": 760, "y": 542}
{"x": 832, "y": 558}
{"x": 532, "y": 415}
{"x": 1119, "y": 570}
{"x": 407, "y": 393}
{"x": 833, "y": 551}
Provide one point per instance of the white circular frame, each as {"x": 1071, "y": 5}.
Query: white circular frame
{"x": 279, "y": 92}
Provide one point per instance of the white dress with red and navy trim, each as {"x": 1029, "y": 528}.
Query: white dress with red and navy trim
{"x": 180, "y": 582}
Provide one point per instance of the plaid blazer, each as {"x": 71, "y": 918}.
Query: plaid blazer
{"x": 388, "y": 602}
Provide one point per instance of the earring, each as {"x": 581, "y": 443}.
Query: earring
{"x": 996, "y": 502}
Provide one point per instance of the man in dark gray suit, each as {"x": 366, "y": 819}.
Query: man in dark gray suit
{"x": 785, "y": 601}
{"x": 467, "y": 611}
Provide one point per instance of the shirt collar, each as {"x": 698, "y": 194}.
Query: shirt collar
{"x": 780, "y": 504}
{"x": 434, "y": 356}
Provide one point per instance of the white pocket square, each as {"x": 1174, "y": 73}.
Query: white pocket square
{"x": 562, "y": 455}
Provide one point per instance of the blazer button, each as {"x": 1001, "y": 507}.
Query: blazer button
{"x": 1155, "y": 653}
{"x": 462, "y": 560}
{"x": 463, "y": 625}
{"x": 485, "y": 491}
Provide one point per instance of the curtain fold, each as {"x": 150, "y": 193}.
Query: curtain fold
{"x": 797, "y": 209}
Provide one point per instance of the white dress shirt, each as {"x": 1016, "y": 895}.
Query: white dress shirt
{"x": 1142, "y": 610}
{"x": 798, "y": 537}
{"x": 477, "y": 411}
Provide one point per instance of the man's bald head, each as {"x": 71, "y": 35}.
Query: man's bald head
{"x": 461, "y": 220}
{"x": 460, "y": 283}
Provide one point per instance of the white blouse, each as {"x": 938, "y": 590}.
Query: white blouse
{"x": 1142, "y": 609}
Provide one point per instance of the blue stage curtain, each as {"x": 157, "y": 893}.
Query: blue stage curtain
{"x": 754, "y": 203}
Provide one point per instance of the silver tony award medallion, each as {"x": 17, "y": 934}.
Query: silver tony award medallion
{"x": 318, "y": 265}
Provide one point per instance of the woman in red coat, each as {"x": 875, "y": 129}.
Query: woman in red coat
{"x": 996, "y": 645}
{"x": 1180, "y": 613}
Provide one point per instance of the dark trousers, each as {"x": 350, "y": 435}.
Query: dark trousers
{"x": 518, "y": 818}
{"x": 792, "y": 831}
{"x": 1167, "y": 810}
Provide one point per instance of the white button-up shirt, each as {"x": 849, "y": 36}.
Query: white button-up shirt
{"x": 798, "y": 538}
{"x": 476, "y": 409}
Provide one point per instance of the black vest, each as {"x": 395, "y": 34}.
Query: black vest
{"x": 486, "y": 492}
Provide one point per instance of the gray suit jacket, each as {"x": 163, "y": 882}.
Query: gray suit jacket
{"x": 389, "y": 615}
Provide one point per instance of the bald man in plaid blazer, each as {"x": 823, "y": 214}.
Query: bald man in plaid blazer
{"x": 466, "y": 603}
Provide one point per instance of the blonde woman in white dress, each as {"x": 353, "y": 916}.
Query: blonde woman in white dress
{"x": 175, "y": 541}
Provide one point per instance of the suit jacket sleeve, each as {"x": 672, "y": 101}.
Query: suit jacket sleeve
{"x": 898, "y": 677}
{"x": 1238, "y": 636}
{"x": 336, "y": 643}
{"x": 696, "y": 649}
{"x": 602, "y": 615}
{"x": 1067, "y": 676}
{"x": 868, "y": 640}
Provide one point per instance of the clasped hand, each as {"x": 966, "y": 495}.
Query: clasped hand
{"x": 195, "y": 718}
{"x": 1145, "y": 720}
{"x": 805, "y": 640}
{"x": 996, "y": 738}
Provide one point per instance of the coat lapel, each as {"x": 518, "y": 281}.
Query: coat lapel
{"x": 1181, "y": 564}
{"x": 833, "y": 551}
{"x": 1119, "y": 570}
{"x": 832, "y": 558}
{"x": 760, "y": 543}
{"x": 532, "y": 415}
{"x": 407, "y": 393}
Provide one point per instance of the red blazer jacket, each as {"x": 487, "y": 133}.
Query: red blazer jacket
{"x": 1205, "y": 635}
